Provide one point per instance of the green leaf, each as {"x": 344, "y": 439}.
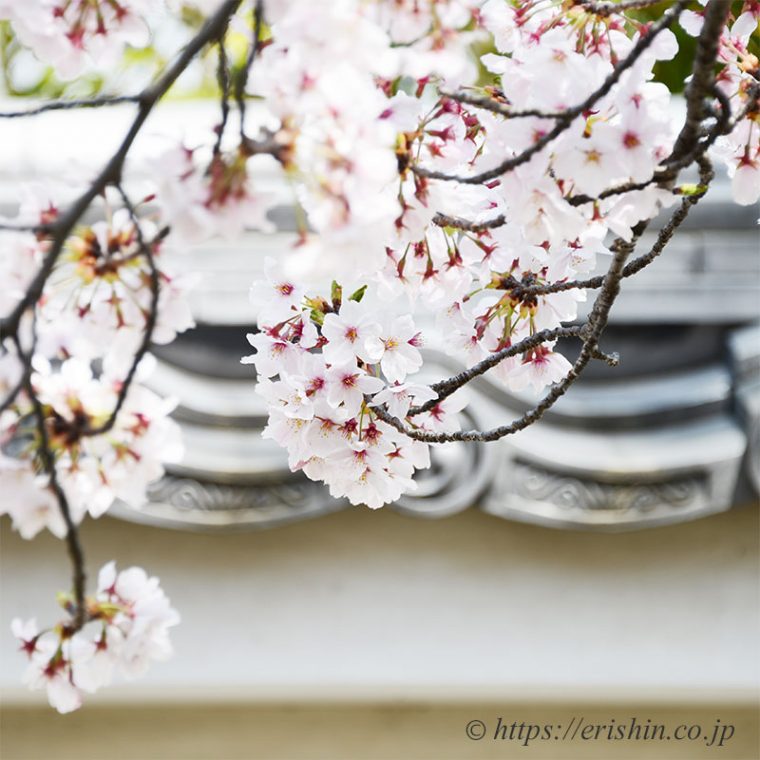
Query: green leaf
{"x": 357, "y": 295}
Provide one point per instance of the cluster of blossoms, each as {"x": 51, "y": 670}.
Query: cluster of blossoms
{"x": 331, "y": 77}
{"x": 206, "y": 197}
{"x": 94, "y": 307}
{"x": 72, "y": 34}
{"x": 332, "y": 362}
{"x": 366, "y": 160}
{"x": 99, "y": 296}
{"x": 127, "y": 625}
{"x": 94, "y": 469}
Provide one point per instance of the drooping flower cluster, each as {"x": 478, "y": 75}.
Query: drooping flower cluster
{"x": 93, "y": 468}
{"x": 99, "y": 295}
{"x": 322, "y": 367}
{"x": 127, "y": 626}
{"x": 219, "y": 198}
{"x": 94, "y": 308}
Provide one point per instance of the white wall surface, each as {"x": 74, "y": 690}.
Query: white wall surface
{"x": 374, "y": 606}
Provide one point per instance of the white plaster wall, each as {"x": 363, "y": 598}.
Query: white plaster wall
{"x": 374, "y": 606}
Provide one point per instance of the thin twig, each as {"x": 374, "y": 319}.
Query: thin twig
{"x": 47, "y": 459}
{"x": 26, "y": 370}
{"x": 488, "y": 103}
{"x": 223, "y": 77}
{"x": 702, "y": 78}
{"x": 242, "y": 80}
{"x": 605, "y": 9}
{"x": 146, "y": 250}
{"x": 446, "y": 388}
{"x": 628, "y": 187}
{"x": 69, "y": 105}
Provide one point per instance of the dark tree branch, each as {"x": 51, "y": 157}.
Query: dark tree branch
{"x": 26, "y": 370}
{"x": 628, "y": 187}
{"x": 47, "y": 460}
{"x": 702, "y": 79}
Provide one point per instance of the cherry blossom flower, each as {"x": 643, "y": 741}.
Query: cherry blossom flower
{"x": 540, "y": 367}
{"x": 348, "y": 334}
{"x": 100, "y": 287}
{"x": 22, "y": 255}
{"x": 443, "y": 417}
{"x": 76, "y": 34}
{"x": 27, "y": 500}
{"x": 348, "y": 385}
{"x": 746, "y": 180}
{"x": 217, "y": 199}
{"x": 127, "y": 627}
{"x": 280, "y": 297}
{"x": 273, "y": 353}
{"x": 397, "y": 348}
{"x": 594, "y": 163}
{"x": 93, "y": 469}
